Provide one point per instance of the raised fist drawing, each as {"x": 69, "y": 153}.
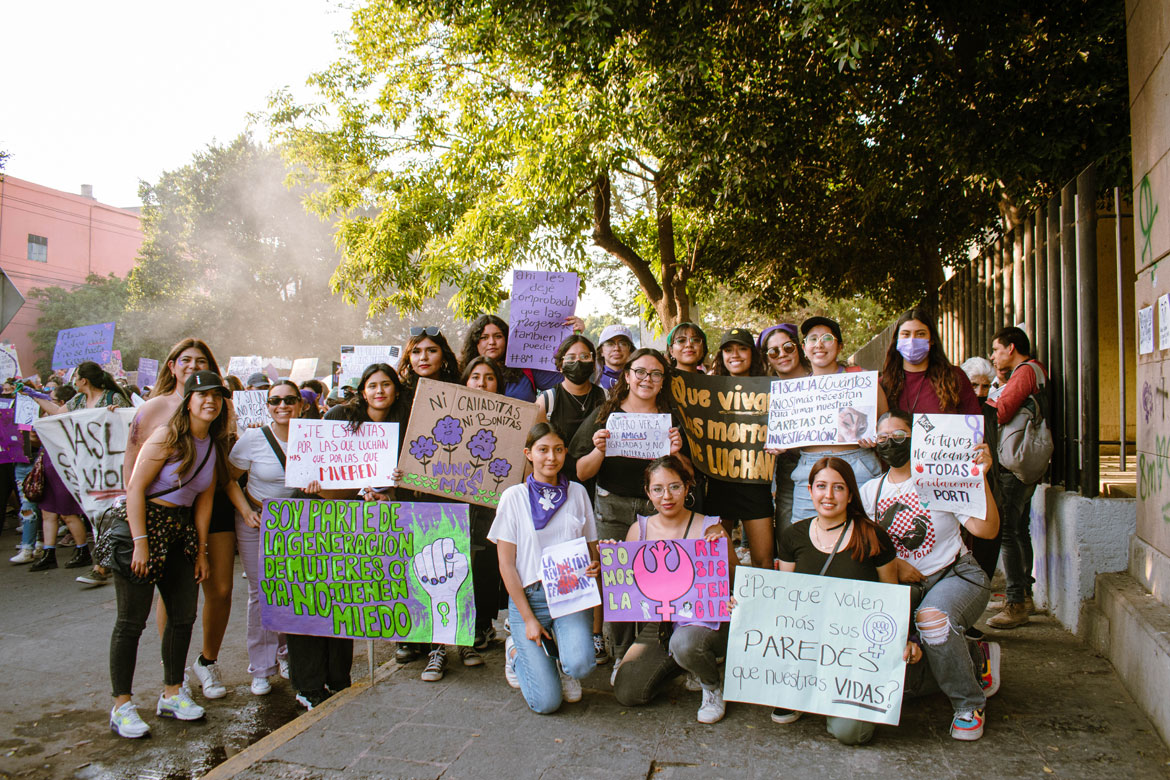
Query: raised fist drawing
{"x": 442, "y": 569}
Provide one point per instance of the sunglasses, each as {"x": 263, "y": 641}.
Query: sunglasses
{"x": 430, "y": 330}
{"x": 288, "y": 400}
{"x": 787, "y": 348}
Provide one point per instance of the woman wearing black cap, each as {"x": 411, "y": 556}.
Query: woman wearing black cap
{"x": 686, "y": 344}
{"x": 168, "y": 511}
{"x": 750, "y": 504}
{"x": 822, "y": 346}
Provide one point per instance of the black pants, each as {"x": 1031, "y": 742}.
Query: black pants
{"x": 318, "y": 661}
{"x": 179, "y": 594}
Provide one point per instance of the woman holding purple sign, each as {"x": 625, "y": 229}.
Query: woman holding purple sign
{"x": 489, "y": 337}
{"x": 662, "y": 651}
{"x": 546, "y": 510}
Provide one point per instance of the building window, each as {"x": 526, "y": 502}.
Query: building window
{"x": 38, "y": 248}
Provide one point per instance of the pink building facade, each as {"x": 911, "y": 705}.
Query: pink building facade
{"x": 50, "y": 238}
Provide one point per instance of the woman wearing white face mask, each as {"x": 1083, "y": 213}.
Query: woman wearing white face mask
{"x": 917, "y": 377}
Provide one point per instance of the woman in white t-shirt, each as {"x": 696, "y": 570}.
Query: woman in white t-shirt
{"x": 544, "y": 511}
{"x": 952, "y": 588}
{"x": 259, "y": 453}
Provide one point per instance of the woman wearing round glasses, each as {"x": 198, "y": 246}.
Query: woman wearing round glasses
{"x": 620, "y": 494}
{"x": 260, "y": 453}
{"x": 822, "y": 347}
{"x": 686, "y": 345}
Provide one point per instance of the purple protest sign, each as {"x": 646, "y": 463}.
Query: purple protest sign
{"x": 672, "y": 579}
{"x": 89, "y": 342}
{"x": 369, "y": 570}
{"x": 11, "y": 439}
{"x": 148, "y": 372}
{"x": 540, "y": 303}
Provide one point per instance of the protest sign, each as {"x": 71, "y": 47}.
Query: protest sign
{"x": 355, "y": 358}
{"x": 251, "y": 409}
{"x": 665, "y": 580}
{"x": 113, "y": 366}
{"x": 11, "y": 439}
{"x": 89, "y": 342}
{"x": 463, "y": 443}
{"x": 87, "y": 448}
{"x": 818, "y": 644}
{"x": 540, "y": 303}
{"x": 567, "y": 587}
{"x": 327, "y": 451}
{"x": 645, "y": 436}
{"x": 827, "y": 409}
{"x": 9, "y": 362}
{"x": 367, "y": 570}
{"x": 27, "y": 411}
{"x": 243, "y": 366}
{"x": 302, "y": 369}
{"x": 148, "y": 372}
{"x": 725, "y": 419}
{"x": 943, "y": 465}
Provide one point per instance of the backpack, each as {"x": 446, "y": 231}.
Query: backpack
{"x": 550, "y": 399}
{"x": 1025, "y": 441}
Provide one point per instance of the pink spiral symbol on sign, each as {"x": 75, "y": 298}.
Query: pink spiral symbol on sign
{"x": 663, "y": 583}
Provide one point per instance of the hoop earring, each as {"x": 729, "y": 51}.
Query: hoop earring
{"x": 689, "y": 501}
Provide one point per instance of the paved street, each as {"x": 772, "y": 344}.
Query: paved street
{"x": 1061, "y": 713}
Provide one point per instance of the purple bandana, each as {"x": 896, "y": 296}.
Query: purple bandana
{"x": 545, "y": 500}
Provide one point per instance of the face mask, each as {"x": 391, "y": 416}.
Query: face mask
{"x": 577, "y": 372}
{"x": 897, "y": 455}
{"x": 914, "y": 350}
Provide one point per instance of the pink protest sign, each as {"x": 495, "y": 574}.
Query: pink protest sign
{"x": 672, "y": 579}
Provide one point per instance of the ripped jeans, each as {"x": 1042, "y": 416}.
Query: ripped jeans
{"x": 955, "y": 661}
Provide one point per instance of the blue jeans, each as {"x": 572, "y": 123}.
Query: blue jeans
{"x": 953, "y": 660}
{"x": 865, "y": 465}
{"x": 29, "y": 517}
{"x": 1015, "y": 516}
{"x": 539, "y": 681}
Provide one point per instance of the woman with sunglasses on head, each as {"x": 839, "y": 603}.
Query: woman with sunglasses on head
{"x": 665, "y": 650}
{"x": 260, "y": 453}
{"x": 621, "y": 496}
{"x": 822, "y": 348}
{"x": 488, "y": 337}
{"x": 686, "y": 345}
{"x": 168, "y": 510}
{"x": 427, "y": 355}
{"x": 950, "y": 590}
{"x": 737, "y": 502}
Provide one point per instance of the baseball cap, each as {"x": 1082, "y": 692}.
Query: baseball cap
{"x": 203, "y": 382}
{"x": 812, "y": 322}
{"x": 613, "y": 331}
{"x": 738, "y": 336}
{"x": 258, "y": 380}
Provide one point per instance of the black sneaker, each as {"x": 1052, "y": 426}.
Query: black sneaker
{"x": 484, "y": 639}
{"x": 312, "y": 699}
{"x": 81, "y": 559}
{"x": 780, "y": 715}
{"x": 47, "y": 561}
{"x": 407, "y": 652}
{"x": 600, "y": 653}
{"x": 436, "y": 665}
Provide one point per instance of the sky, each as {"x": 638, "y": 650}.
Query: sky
{"x": 113, "y": 93}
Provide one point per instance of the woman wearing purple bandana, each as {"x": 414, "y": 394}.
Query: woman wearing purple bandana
{"x": 549, "y": 657}
{"x": 917, "y": 377}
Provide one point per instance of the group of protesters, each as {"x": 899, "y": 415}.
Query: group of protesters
{"x": 194, "y": 492}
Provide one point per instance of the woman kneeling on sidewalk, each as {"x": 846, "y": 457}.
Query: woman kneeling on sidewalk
{"x": 546, "y": 510}
{"x": 176, "y": 472}
{"x": 662, "y": 651}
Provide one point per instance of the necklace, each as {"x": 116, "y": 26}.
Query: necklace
{"x": 820, "y": 533}
{"x": 577, "y": 399}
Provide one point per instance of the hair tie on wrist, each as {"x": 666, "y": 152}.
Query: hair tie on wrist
{"x": 136, "y": 538}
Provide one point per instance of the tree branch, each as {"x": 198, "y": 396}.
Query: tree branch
{"x": 603, "y": 237}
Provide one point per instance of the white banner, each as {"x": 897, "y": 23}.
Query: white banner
{"x": 943, "y": 466}
{"x": 355, "y": 358}
{"x": 328, "y": 452}
{"x": 87, "y": 448}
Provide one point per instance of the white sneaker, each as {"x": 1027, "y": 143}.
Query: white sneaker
{"x": 570, "y": 687}
{"x": 24, "y": 556}
{"x": 692, "y": 683}
{"x": 261, "y": 686}
{"x": 712, "y": 708}
{"x": 180, "y": 707}
{"x": 613, "y": 675}
{"x": 510, "y": 663}
{"x": 283, "y": 664}
{"x": 125, "y": 722}
{"x": 208, "y": 676}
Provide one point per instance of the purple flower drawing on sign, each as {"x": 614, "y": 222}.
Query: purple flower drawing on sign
{"x": 499, "y": 468}
{"x": 423, "y": 449}
{"x": 482, "y": 446}
{"x": 448, "y": 432}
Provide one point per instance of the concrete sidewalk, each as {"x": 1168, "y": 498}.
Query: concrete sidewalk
{"x": 1060, "y": 713}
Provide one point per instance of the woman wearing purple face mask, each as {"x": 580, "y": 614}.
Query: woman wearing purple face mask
{"x": 917, "y": 376}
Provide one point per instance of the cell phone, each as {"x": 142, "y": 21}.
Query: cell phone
{"x": 550, "y": 647}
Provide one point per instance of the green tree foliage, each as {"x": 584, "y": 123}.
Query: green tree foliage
{"x": 99, "y": 299}
{"x": 779, "y": 148}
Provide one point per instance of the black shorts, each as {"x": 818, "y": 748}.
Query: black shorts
{"x": 736, "y": 501}
{"x": 223, "y": 514}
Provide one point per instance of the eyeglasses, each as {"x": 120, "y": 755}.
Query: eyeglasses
{"x": 787, "y": 348}
{"x": 655, "y": 375}
{"x": 580, "y": 359}
{"x": 430, "y": 330}
{"x": 684, "y": 341}
{"x": 897, "y": 437}
{"x": 287, "y": 400}
{"x": 825, "y": 338}
{"x": 674, "y": 488}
